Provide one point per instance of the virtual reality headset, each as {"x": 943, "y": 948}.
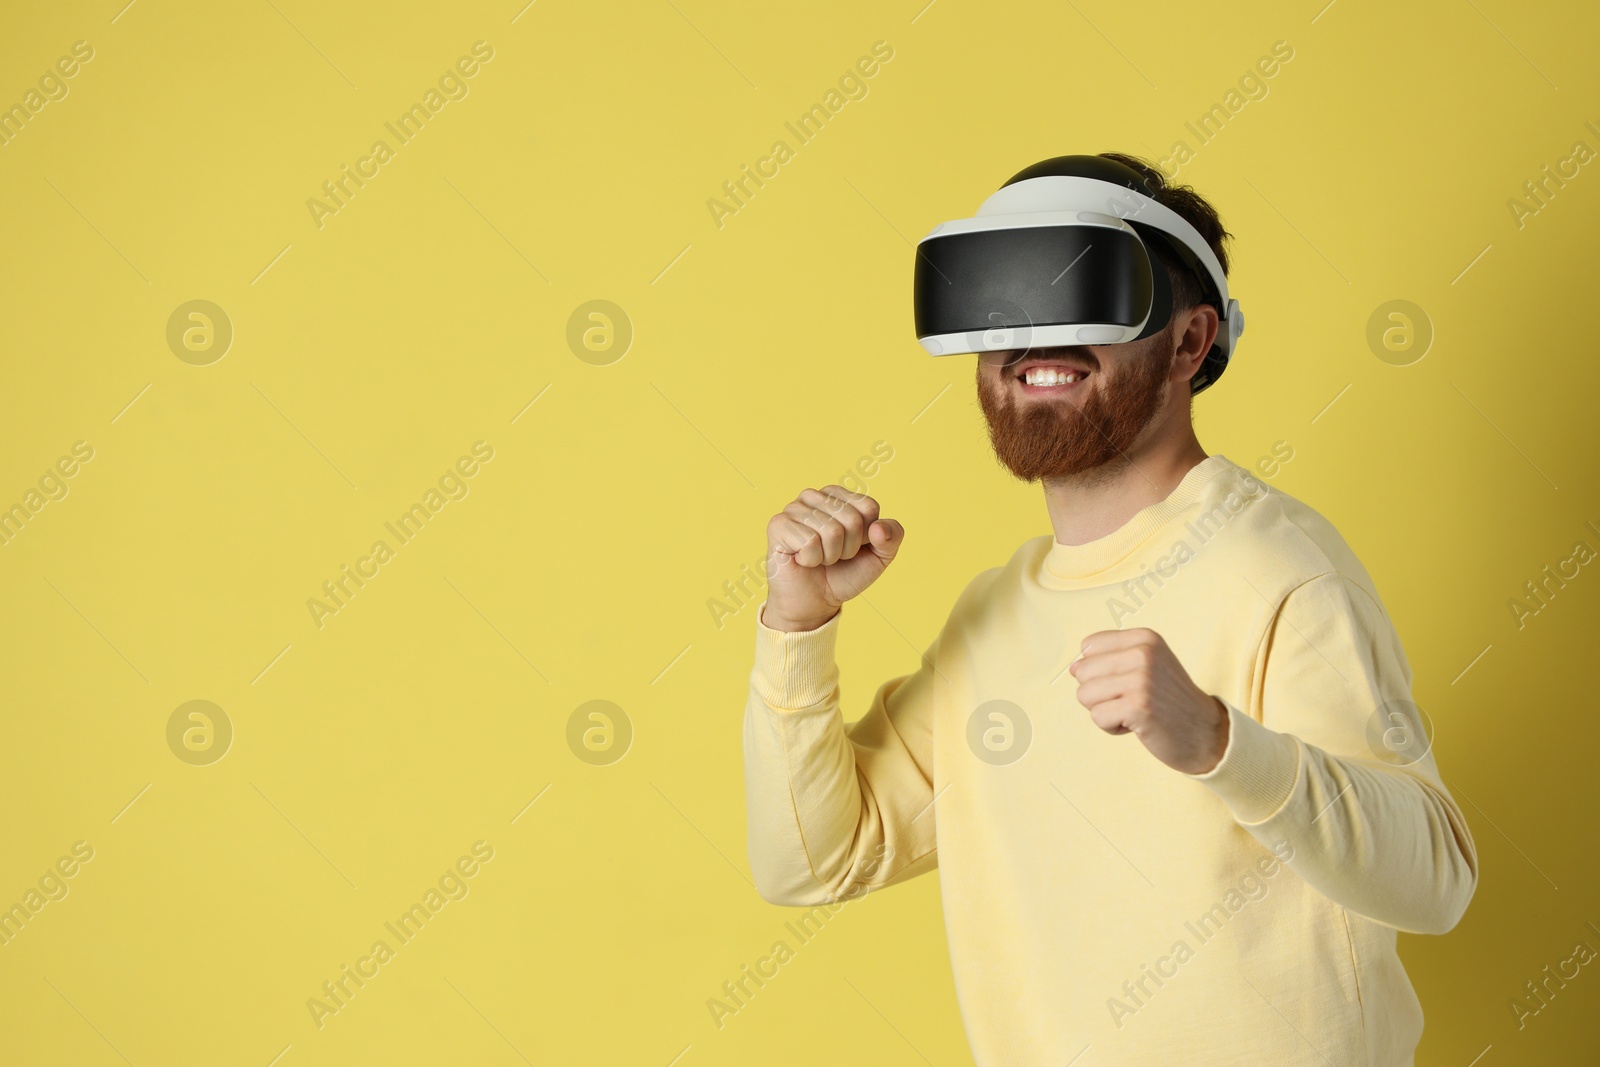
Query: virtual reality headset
{"x": 1062, "y": 255}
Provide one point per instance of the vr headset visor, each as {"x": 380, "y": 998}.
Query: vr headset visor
{"x": 1062, "y": 255}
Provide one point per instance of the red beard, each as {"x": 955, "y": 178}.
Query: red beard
{"x": 1053, "y": 438}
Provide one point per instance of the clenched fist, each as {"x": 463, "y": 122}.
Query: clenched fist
{"x": 825, "y": 547}
{"x": 1132, "y": 682}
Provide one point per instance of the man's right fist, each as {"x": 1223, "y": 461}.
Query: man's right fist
{"x": 815, "y": 557}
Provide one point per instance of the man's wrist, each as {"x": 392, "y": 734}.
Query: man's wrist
{"x": 779, "y": 622}
{"x": 795, "y": 669}
{"x": 1223, "y": 730}
{"x": 1258, "y": 771}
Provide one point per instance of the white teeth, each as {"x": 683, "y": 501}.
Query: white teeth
{"x": 1051, "y": 376}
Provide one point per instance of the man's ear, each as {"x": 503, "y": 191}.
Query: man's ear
{"x": 1194, "y": 332}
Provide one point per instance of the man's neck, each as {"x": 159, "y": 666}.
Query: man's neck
{"x": 1088, "y": 506}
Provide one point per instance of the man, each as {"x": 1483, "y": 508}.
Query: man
{"x": 1224, "y": 886}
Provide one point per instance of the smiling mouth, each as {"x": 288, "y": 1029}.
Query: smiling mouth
{"x": 1049, "y": 379}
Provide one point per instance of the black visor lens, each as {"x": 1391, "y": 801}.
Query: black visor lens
{"x": 1031, "y": 276}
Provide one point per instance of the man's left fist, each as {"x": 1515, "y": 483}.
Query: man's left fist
{"x": 1132, "y": 683}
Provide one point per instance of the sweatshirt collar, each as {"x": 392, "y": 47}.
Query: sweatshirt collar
{"x": 1073, "y": 566}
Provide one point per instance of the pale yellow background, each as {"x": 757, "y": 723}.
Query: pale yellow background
{"x": 769, "y": 355}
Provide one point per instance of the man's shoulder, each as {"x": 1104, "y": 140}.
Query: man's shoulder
{"x": 1283, "y": 537}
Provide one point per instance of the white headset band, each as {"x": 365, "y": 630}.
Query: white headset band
{"x": 1063, "y": 193}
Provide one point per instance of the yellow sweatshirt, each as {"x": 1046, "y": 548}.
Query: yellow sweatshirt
{"x": 1096, "y": 899}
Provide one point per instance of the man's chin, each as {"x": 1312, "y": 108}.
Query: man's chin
{"x": 1032, "y": 463}
{"x": 1031, "y": 471}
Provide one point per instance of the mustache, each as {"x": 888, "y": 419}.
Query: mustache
{"x": 1008, "y": 359}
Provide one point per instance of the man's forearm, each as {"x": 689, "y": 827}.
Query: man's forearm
{"x": 831, "y": 809}
{"x": 1382, "y": 841}
{"x": 801, "y": 796}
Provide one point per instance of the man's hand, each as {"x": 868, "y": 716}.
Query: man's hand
{"x": 1132, "y": 683}
{"x": 825, "y": 547}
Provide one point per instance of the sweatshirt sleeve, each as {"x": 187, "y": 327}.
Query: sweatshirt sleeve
{"x": 1331, "y": 757}
{"x": 834, "y": 811}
